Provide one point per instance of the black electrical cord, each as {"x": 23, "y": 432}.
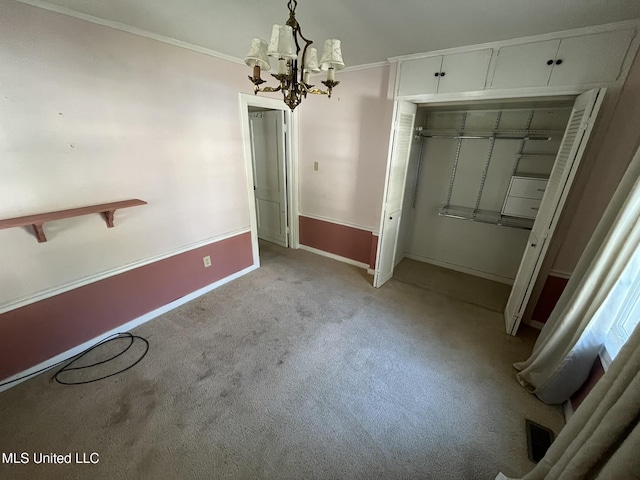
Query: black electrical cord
{"x": 118, "y": 336}
{"x": 75, "y": 358}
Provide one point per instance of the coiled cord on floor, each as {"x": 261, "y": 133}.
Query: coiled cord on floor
{"x": 67, "y": 367}
{"x": 75, "y": 358}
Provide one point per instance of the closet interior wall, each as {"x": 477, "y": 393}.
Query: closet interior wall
{"x": 473, "y": 175}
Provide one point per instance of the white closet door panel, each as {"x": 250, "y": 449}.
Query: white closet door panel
{"x": 568, "y": 159}
{"x": 394, "y": 191}
{"x": 520, "y": 66}
{"x": 399, "y": 162}
{"x": 591, "y": 58}
{"x": 388, "y": 246}
{"x": 269, "y": 175}
{"x": 464, "y": 72}
{"x": 417, "y": 77}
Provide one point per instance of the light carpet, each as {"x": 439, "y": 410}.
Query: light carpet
{"x": 300, "y": 369}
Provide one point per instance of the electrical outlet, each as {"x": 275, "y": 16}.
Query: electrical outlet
{"x": 207, "y": 261}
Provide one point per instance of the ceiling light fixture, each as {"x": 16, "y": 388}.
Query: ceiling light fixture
{"x": 293, "y": 69}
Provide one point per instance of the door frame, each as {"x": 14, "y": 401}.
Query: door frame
{"x": 291, "y": 166}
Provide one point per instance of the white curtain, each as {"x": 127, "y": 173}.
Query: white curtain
{"x": 572, "y": 337}
{"x": 602, "y": 439}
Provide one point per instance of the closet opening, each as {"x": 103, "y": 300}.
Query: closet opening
{"x": 484, "y": 187}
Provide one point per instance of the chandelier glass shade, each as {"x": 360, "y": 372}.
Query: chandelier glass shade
{"x": 296, "y": 61}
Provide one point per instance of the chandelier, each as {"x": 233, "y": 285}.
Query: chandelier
{"x": 293, "y": 69}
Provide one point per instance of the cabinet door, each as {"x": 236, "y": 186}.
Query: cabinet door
{"x": 464, "y": 72}
{"x": 525, "y": 65}
{"x": 417, "y": 77}
{"x": 591, "y": 58}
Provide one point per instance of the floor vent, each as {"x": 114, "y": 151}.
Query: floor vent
{"x": 539, "y": 439}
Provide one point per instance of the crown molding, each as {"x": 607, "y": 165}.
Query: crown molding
{"x": 129, "y": 29}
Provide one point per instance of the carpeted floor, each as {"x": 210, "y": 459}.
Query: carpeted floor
{"x": 471, "y": 289}
{"x": 300, "y": 369}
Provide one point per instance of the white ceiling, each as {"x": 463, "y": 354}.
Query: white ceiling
{"x": 371, "y": 31}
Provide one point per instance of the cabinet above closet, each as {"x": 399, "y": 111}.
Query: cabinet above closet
{"x": 575, "y": 58}
{"x": 461, "y": 72}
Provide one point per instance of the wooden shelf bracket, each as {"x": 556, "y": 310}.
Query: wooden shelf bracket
{"x": 37, "y": 221}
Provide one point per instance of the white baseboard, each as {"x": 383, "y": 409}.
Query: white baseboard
{"x": 334, "y": 257}
{"x": 458, "y": 268}
{"x": 122, "y": 328}
{"x": 534, "y": 324}
{"x": 560, "y": 274}
{"x": 567, "y": 408}
{"x": 605, "y": 358}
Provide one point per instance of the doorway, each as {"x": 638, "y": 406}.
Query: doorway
{"x": 269, "y": 134}
{"x": 268, "y": 151}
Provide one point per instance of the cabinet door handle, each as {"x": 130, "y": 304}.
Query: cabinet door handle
{"x": 541, "y": 189}
{"x": 437, "y": 74}
{"x": 534, "y": 208}
{"x": 442, "y": 74}
{"x": 559, "y": 62}
{"x": 549, "y": 62}
{"x": 390, "y": 218}
{"x": 533, "y": 244}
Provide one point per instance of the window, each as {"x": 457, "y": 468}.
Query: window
{"x": 628, "y": 315}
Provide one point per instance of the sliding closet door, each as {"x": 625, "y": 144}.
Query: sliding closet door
{"x": 394, "y": 191}
{"x": 567, "y": 161}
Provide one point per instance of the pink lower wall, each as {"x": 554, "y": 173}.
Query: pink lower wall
{"x": 348, "y": 242}
{"x": 597, "y": 371}
{"x": 374, "y": 252}
{"x": 36, "y": 332}
{"x": 551, "y": 292}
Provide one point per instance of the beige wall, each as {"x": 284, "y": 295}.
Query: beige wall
{"x": 614, "y": 141}
{"x": 89, "y": 115}
{"x": 612, "y": 155}
{"x": 348, "y": 135}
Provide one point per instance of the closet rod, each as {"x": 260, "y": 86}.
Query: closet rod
{"x": 489, "y": 137}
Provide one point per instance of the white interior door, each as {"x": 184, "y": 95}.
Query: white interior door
{"x": 567, "y": 161}
{"x": 394, "y": 191}
{"x": 269, "y": 175}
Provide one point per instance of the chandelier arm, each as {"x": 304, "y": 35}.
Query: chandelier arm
{"x": 266, "y": 89}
